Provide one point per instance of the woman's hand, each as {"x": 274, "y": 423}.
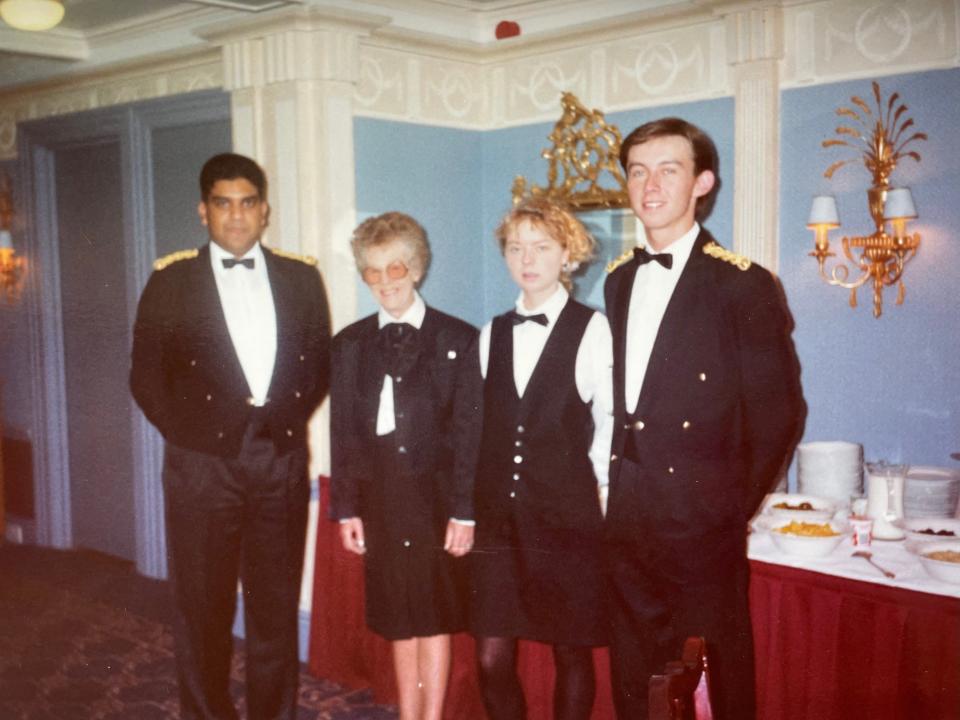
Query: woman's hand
{"x": 351, "y": 535}
{"x": 459, "y": 539}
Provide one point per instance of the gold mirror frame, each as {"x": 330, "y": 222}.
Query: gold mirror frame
{"x": 585, "y": 157}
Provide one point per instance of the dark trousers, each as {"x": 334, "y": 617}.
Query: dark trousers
{"x": 664, "y": 588}
{"x": 243, "y": 518}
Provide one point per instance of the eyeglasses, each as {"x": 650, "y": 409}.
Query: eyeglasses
{"x": 395, "y": 271}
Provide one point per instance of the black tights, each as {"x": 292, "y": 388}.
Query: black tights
{"x": 573, "y": 691}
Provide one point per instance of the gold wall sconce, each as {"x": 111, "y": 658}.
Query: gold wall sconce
{"x": 11, "y": 267}
{"x": 881, "y": 134}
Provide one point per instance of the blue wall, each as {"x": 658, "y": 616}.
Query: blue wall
{"x": 433, "y": 174}
{"x": 891, "y": 383}
{"x": 457, "y": 183}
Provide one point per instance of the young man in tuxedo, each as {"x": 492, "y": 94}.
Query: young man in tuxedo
{"x": 230, "y": 359}
{"x": 707, "y": 407}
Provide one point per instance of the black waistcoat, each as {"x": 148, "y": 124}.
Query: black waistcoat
{"x": 534, "y": 459}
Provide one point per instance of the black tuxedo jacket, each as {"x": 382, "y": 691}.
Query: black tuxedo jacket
{"x": 186, "y": 375}
{"x": 437, "y": 408}
{"x": 721, "y": 405}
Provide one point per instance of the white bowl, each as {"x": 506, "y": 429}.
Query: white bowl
{"x": 809, "y": 546}
{"x": 913, "y": 526}
{"x": 823, "y": 508}
{"x": 940, "y": 569}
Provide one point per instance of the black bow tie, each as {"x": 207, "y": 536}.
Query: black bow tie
{"x": 233, "y": 262}
{"x": 518, "y": 319}
{"x": 397, "y": 332}
{"x": 400, "y": 347}
{"x": 642, "y": 257}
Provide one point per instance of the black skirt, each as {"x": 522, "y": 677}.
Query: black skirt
{"x": 537, "y": 583}
{"x": 413, "y": 587}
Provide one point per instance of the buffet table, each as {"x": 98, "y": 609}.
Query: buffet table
{"x": 834, "y": 638}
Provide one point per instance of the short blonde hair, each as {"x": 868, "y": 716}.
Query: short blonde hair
{"x": 386, "y": 228}
{"x": 559, "y": 223}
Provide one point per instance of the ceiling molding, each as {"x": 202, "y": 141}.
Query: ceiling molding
{"x": 62, "y": 45}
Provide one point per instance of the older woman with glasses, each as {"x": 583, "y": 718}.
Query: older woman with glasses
{"x": 405, "y": 415}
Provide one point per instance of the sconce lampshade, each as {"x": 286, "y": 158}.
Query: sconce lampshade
{"x": 6, "y": 240}
{"x": 899, "y": 204}
{"x": 33, "y": 15}
{"x": 823, "y": 211}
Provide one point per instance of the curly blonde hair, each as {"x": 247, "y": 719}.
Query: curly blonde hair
{"x": 384, "y": 229}
{"x": 559, "y": 223}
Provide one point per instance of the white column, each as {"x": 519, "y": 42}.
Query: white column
{"x": 755, "y": 48}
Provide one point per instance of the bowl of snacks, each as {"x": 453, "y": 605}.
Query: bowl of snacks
{"x": 924, "y": 530}
{"x": 805, "y": 508}
{"x": 941, "y": 559}
{"x": 809, "y": 539}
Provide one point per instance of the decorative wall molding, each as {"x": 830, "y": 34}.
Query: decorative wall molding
{"x": 198, "y": 70}
{"x": 641, "y": 60}
{"x": 484, "y": 87}
{"x": 846, "y": 39}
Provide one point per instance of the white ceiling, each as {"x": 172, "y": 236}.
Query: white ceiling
{"x": 97, "y": 33}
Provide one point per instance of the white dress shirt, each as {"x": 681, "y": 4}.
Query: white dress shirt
{"x": 247, "y": 303}
{"x": 592, "y": 372}
{"x": 413, "y": 315}
{"x": 653, "y": 287}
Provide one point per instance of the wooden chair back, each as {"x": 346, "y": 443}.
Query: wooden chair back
{"x": 683, "y": 691}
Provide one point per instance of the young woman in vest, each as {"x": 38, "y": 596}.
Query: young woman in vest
{"x": 405, "y": 422}
{"x": 536, "y": 570}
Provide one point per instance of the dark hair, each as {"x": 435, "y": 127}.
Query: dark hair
{"x": 704, "y": 152}
{"x": 230, "y": 166}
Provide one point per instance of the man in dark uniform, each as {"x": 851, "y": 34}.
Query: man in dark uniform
{"x": 230, "y": 359}
{"x": 707, "y": 408}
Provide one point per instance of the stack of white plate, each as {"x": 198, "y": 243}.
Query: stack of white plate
{"x": 832, "y": 469}
{"x": 931, "y": 492}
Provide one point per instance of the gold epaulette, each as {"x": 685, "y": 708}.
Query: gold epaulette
{"x": 306, "y": 259}
{"x": 715, "y": 251}
{"x": 614, "y": 264}
{"x": 167, "y": 260}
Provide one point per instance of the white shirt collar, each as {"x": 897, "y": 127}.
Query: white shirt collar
{"x": 218, "y": 254}
{"x": 412, "y": 315}
{"x": 551, "y": 307}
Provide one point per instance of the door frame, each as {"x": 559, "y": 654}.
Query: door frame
{"x": 132, "y": 127}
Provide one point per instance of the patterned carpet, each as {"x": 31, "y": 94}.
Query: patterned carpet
{"x": 83, "y": 636}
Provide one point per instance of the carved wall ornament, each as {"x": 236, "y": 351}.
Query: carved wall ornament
{"x": 583, "y": 163}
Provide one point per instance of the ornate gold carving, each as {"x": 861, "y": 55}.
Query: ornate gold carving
{"x": 168, "y": 260}
{"x": 625, "y": 257}
{"x": 585, "y": 151}
{"x": 721, "y": 253}
{"x": 306, "y": 259}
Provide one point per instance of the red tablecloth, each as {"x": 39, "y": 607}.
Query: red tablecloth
{"x": 827, "y": 648}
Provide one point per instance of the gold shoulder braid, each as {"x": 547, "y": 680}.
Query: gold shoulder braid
{"x": 614, "y": 264}
{"x": 306, "y": 259}
{"x": 167, "y": 260}
{"x": 715, "y": 251}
